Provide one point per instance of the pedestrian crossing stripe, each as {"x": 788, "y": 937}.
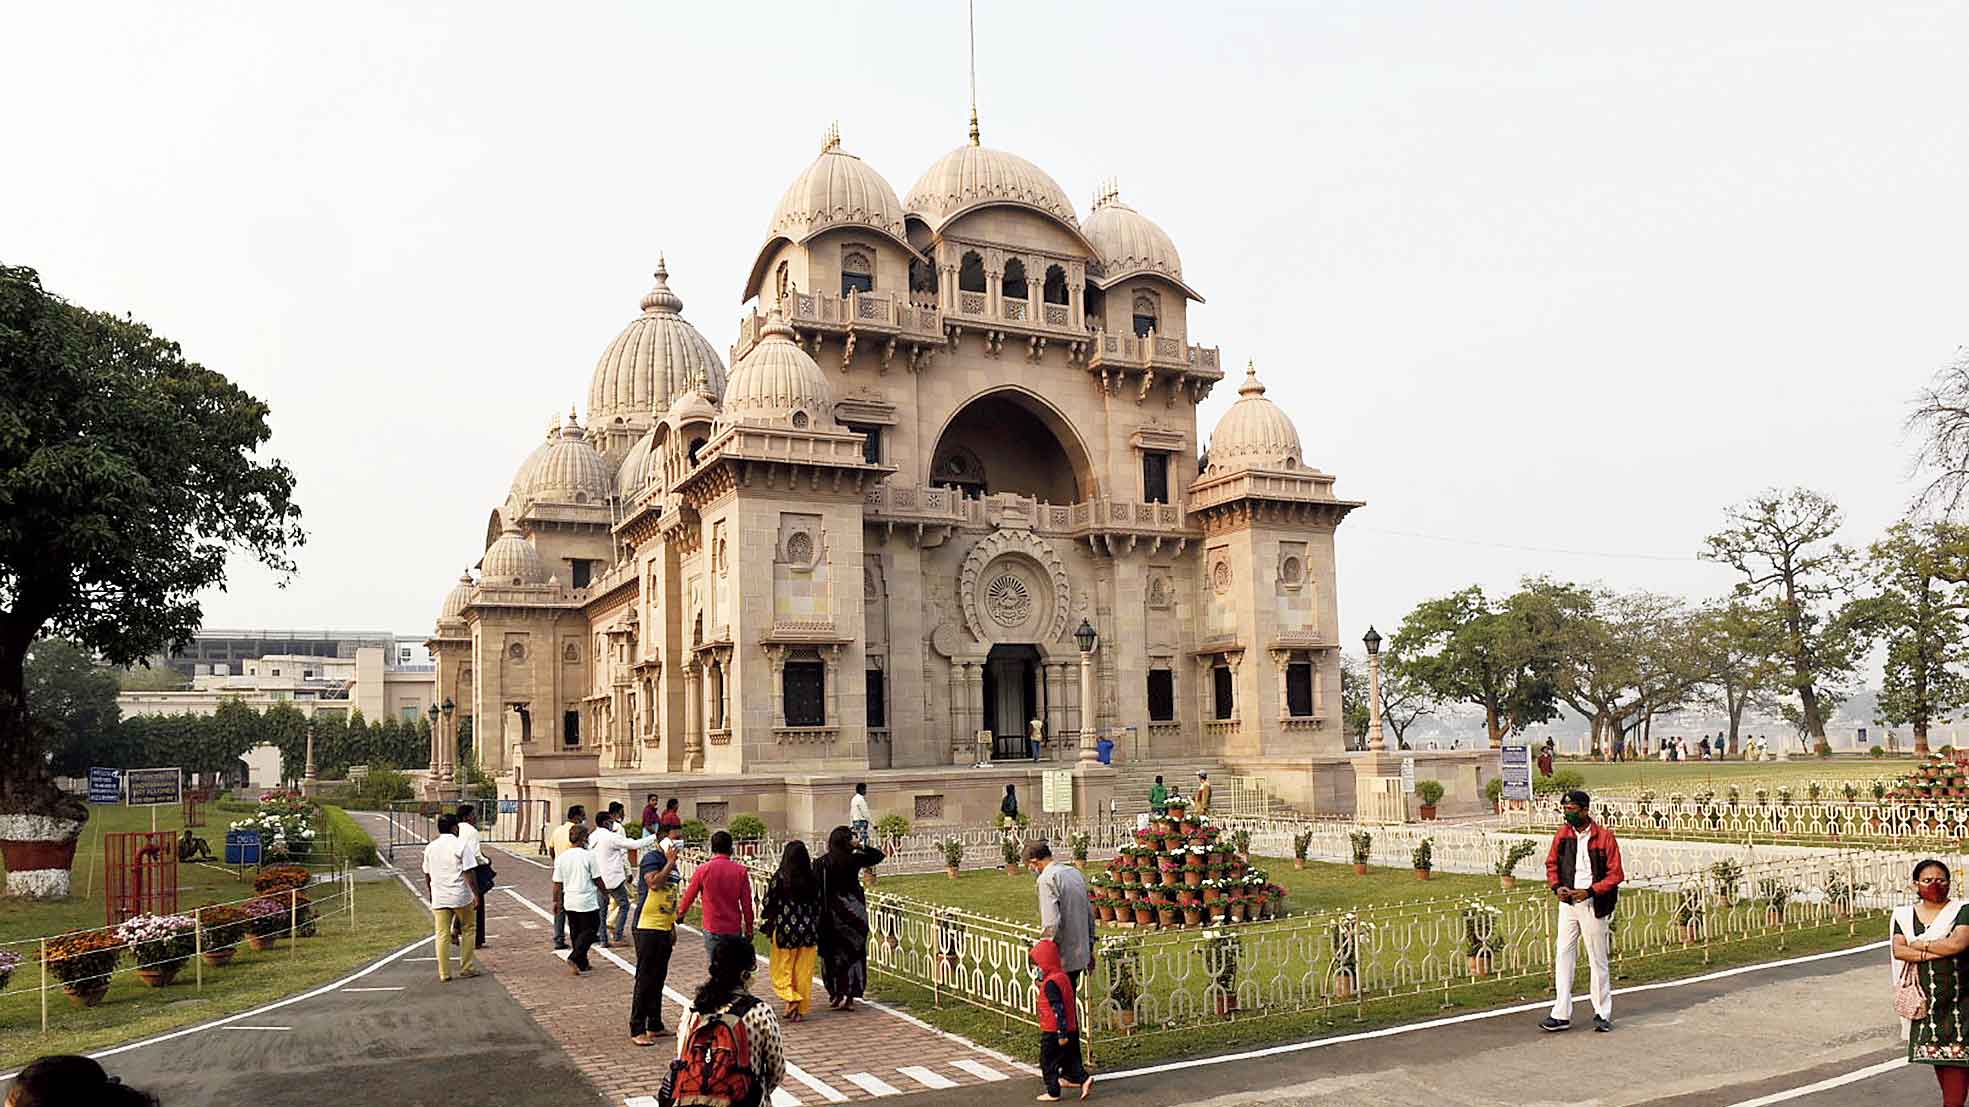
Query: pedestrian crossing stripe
{"x": 784, "y": 1098}
{"x": 826, "y": 1091}
{"x": 927, "y": 1077}
{"x": 872, "y": 1084}
{"x": 979, "y": 1070}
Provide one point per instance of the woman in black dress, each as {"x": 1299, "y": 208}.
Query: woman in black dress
{"x": 844, "y": 917}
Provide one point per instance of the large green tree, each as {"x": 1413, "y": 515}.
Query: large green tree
{"x": 71, "y": 700}
{"x": 1783, "y": 544}
{"x": 1737, "y": 646}
{"x": 1498, "y": 655}
{"x": 1917, "y": 611}
{"x": 127, "y": 474}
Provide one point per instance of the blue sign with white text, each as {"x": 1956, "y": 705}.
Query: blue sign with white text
{"x": 105, "y": 786}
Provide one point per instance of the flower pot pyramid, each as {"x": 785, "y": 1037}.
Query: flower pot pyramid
{"x": 1178, "y": 874}
{"x": 1941, "y": 779}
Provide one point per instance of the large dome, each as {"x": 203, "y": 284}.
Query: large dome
{"x": 777, "y": 383}
{"x": 1254, "y": 433}
{"x": 1129, "y": 244}
{"x": 512, "y": 561}
{"x": 568, "y": 471}
{"x": 837, "y": 190}
{"x": 976, "y": 176}
{"x": 656, "y": 357}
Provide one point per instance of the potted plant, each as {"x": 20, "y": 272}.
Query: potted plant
{"x": 1171, "y": 867}
{"x": 1430, "y": 792}
{"x": 1302, "y": 842}
{"x": 1509, "y": 857}
{"x": 950, "y": 942}
{"x": 1010, "y": 846}
{"x": 1775, "y": 894}
{"x": 1193, "y": 869}
{"x": 161, "y": 945}
{"x": 222, "y": 929}
{"x": 1221, "y": 950}
{"x": 1122, "y": 957}
{"x": 1079, "y": 842}
{"x": 1241, "y": 845}
{"x": 1175, "y": 806}
{"x": 82, "y": 961}
{"x": 1840, "y": 891}
{"x": 953, "y": 855}
{"x": 1689, "y": 915}
{"x": 1423, "y": 858}
{"x": 747, "y": 830}
{"x": 1187, "y": 899}
{"x": 891, "y": 828}
{"x": 1361, "y": 844}
{"x": 1479, "y": 936}
{"x": 1494, "y": 793}
{"x": 1347, "y": 934}
{"x": 266, "y": 921}
{"x": 695, "y": 833}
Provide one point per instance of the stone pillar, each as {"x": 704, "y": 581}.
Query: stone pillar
{"x": 693, "y": 706}
{"x": 1089, "y": 755}
{"x": 832, "y": 698}
{"x": 960, "y": 739}
{"x": 777, "y": 658}
{"x": 1376, "y": 739}
{"x": 974, "y": 695}
{"x": 309, "y": 780}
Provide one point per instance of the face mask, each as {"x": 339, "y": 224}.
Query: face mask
{"x": 1934, "y": 893}
{"x": 1577, "y": 819}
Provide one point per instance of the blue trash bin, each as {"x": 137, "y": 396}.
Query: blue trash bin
{"x": 242, "y": 847}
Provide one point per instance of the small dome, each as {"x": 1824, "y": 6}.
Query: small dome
{"x": 457, "y": 599}
{"x": 526, "y": 467}
{"x": 512, "y": 561}
{"x": 569, "y": 471}
{"x": 1254, "y": 433}
{"x": 635, "y": 470}
{"x": 777, "y": 383}
{"x": 655, "y": 357}
{"x": 1129, "y": 244}
{"x": 691, "y": 407}
{"x": 976, "y": 176}
{"x": 837, "y": 190}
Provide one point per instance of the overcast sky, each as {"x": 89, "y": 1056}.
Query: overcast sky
{"x": 1548, "y": 285}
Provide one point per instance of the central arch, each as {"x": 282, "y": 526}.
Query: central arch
{"x": 1008, "y": 439}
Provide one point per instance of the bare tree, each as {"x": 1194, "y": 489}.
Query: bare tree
{"x": 1941, "y": 419}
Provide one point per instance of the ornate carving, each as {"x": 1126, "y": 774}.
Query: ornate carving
{"x": 800, "y": 548}
{"x": 1029, "y": 547}
{"x": 1220, "y": 577}
{"x": 1007, "y": 601}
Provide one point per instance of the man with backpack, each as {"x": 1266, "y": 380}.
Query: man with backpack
{"x": 729, "y": 1052}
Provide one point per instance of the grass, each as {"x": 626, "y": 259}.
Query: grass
{"x": 1433, "y": 937}
{"x": 1694, "y": 776}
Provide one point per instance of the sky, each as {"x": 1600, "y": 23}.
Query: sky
{"x": 1549, "y": 286}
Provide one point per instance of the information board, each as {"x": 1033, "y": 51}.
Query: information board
{"x": 509, "y": 807}
{"x": 1408, "y": 776}
{"x": 105, "y": 786}
{"x": 1517, "y": 772}
{"x": 155, "y": 786}
{"x": 1056, "y": 794}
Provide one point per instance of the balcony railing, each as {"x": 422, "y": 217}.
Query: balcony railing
{"x": 948, "y": 507}
{"x": 1126, "y": 351}
{"x": 879, "y": 313}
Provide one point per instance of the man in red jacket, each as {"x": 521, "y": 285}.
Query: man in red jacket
{"x": 1587, "y": 882}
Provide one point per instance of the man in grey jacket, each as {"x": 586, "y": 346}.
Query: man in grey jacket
{"x": 1066, "y": 914}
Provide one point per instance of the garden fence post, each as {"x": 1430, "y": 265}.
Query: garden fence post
{"x": 44, "y": 985}
{"x": 198, "y": 947}
{"x": 293, "y": 920}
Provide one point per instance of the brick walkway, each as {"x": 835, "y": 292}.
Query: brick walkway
{"x": 832, "y": 1057}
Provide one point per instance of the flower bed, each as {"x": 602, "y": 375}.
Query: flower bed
{"x": 1178, "y": 874}
{"x": 82, "y": 962}
{"x": 161, "y": 945}
{"x": 285, "y": 823}
{"x": 224, "y": 928}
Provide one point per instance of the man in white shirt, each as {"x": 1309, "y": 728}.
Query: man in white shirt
{"x": 481, "y": 878}
{"x": 578, "y": 895}
{"x": 611, "y": 849}
{"x": 452, "y": 889}
{"x": 1583, "y": 870}
{"x": 858, "y": 813}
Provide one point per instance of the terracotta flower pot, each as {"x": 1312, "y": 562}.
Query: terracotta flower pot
{"x": 1360, "y": 870}
{"x": 1422, "y": 874}
{"x": 1428, "y": 812}
{"x": 1343, "y": 984}
{"x": 1689, "y": 936}
{"x": 1192, "y": 877}
{"x": 1144, "y": 915}
{"x": 1479, "y": 966}
{"x": 1225, "y": 1004}
{"x": 1130, "y": 876}
{"x": 1166, "y": 916}
{"x": 1299, "y": 863}
{"x": 1212, "y": 895}
{"x": 1192, "y": 915}
{"x": 159, "y": 976}
{"x": 1011, "y": 868}
{"x": 1126, "y": 1019}
{"x": 87, "y": 993}
{"x": 951, "y": 870}
{"x": 262, "y": 941}
{"x": 217, "y": 957}
{"x": 1508, "y": 882}
{"x": 1238, "y": 909}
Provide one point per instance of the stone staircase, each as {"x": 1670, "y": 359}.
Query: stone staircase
{"x": 1133, "y": 781}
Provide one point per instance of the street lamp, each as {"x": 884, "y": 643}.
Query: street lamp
{"x": 436, "y": 757}
{"x": 308, "y": 773}
{"x": 1375, "y": 739}
{"x": 450, "y": 744}
{"x": 1085, "y": 638}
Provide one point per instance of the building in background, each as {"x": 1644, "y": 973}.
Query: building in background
{"x": 219, "y": 652}
{"x": 370, "y": 680}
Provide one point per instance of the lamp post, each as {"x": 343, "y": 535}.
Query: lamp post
{"x": 1375, "y": 739}
{"x": 308, "y": 776}
{"x": 450, "y": 741}
{"x": 437, "y": 750}
{"x": 1085, "y": 638}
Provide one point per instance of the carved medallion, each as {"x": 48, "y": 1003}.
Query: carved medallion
{"x": 1007, "y": 601}
{"x": 1220, "y": 577}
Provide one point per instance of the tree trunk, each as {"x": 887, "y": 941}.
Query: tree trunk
{"x": 1494, "y": 725}
{"x": 1921, "y": 739}
{"x": 38, "y": 824}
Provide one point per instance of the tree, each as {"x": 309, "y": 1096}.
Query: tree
{"x": 1918, "y": 570}
{"x": 1464, "y": 648}
{"x": 1782, "y": 543}
{"x": 1404, "y": 700}
{"x": 1354, "y": 715}
{"x": 152, "y": 678}
{"x": 1941, "y": 420}
{"x": 72, "y": 702}
{"x": 1737, "y": 646}
{"x": 127, "y": 473}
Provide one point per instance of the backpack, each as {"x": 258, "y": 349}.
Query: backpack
{"x": 714, "y": 1068}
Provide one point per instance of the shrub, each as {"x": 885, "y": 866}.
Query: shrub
{"x": 267, "y": 916}
{"x": 1559, "y": 783}
{"x": 632, "y": 830}
{"x": 953, "y": 851}
{"x": 1241, "y": 841}
{"x": 223, "y": 926}
{"x": 351, "y": 841}
{"x": 891, "y": 827}
{"x": 1494, "y": 790}
{"x": 1876, "y": 752}
{"x": 84, "y": 956}
{"x": 159, "y": 941}
{"x": 1361, "y": 843}
{"x": 1078, "y": 841}
{"x": 279, "y": 878}
{"x": 1430, "y": 792}
{"x": 1424, "y": 856}
{"x": 9, "y": 961}
{"x": 1511, "y": 856}
{"x": 1011, "y": 845}
{"x": 748, "y": 827}
{"x": 1302, "y": 842}
{"x": 695, "y": 832}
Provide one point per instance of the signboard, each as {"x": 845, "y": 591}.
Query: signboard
{"x": 1408, "y": 776}
{"x": 155, "y": 786}
{"x": 1517, "y": 772}
{"x": 1056, "y": 797}
{"x": 105, "y": 786}
{"x": 509, "y": 807}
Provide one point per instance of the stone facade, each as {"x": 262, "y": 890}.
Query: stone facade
{"x": 954, "y": 428}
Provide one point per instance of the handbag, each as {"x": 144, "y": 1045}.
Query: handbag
{"x": 1910, "y": 1002}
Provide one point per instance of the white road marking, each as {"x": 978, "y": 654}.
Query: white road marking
{"x": 929, "y": 1078}
{"x": 982, "y": 1072}
{"x": 872, "y": 1084}
{"x": 397, "y": 988}
{"x": 781, "y": 1098}
{"x": 420, "y": 959}
{"x": 1855, "y": 1077}
{"x": 825, "y": 1090}
{"x": 256, "y": 1028}
{"x": 640, "y": 1101}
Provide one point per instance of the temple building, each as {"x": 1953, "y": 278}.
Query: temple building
{"x": 957, "y": 427}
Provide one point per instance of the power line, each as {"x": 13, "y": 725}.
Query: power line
{"x": 1527, "y": 549}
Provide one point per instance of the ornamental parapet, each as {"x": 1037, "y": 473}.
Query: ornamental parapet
{"x": 1100, "y": 522}
{"x": 875, "y": 315}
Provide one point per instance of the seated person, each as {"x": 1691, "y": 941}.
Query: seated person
{"x": 193, "y": 849}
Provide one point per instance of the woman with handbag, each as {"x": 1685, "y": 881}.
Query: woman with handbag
{"x": 1929, "y": 978}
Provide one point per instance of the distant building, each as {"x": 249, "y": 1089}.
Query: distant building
{"x": 220, "y": 652}
{"x": 372, "y": 680}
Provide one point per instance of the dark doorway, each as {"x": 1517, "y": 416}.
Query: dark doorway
{"x": 1011, "y": 700}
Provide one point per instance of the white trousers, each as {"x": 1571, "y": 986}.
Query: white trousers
{"x": 1577, "y": 923}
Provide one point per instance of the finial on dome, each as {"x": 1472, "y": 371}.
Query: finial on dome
{"x": 1251, "y": 387}
{"x": 974, "y": 124}
{"x": 776, "y": 326}
{"x": 659, "y": 299}
{"x": 1107, "y": 192}
{"x": 832, "y": 141}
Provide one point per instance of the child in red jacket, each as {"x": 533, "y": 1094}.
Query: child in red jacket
{"x": 1059, "y": 1026}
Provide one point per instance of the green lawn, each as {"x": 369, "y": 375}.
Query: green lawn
{"x": 1694, "y": 776}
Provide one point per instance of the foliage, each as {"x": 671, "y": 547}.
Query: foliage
{"x": 1123, "y": 957}
{"x": 1430, "y": 792}
{"x": 1480, "y": 937}
{"x": 953, "y": 851}
{"x": 1423, "y": 858}
{"x": 128, "y": 475}
{"x": 1941, "y": 418}
{"x": 1621, "y": 657}
{"x": 695, "y": 832}
{"x": 9, "y": 961}
{"x": 148, "y": 677}
{"x": 1558, "y": 783}
{"x": 892, "y": 827}
{"x": 1494, "y": 790}
{"x": 1011, "y": 846}
{"x": 1916, "y": 612}
{"x": 1500, "y": 656}
{"x": 1724, "y": 878}
{"x": 1774, "y": 893}
{"x": 1361, "y": 845}
{"x": 1736, "y": 647}
{"x": 159, "y": 941}
{"x": 1782, "y": 544}
{"x": 1221, "y": 951}
{"x": 224, "y": 926}
{"x": 1511, "y": 856}
{"x": 351, "y": 841}
{"x": 1078, "y": 842}
{"x": 1302, "y": 841}
{"x": 83, "y": 956}
{"x": 71, "y": 701}
{"x": 1354, "y": 712}
{"x": 747, "y": 827}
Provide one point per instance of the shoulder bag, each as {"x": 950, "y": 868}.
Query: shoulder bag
{"x": 1910, "y": 1002}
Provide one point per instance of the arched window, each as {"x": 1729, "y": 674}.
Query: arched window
{"x": 922, "y": 277}
{"x": 1145, "y": 314}
{"x": 1096, "y": 302}
{"x": 1055, "y": 290}
{"x": 696, "y": 445}
{"x": 779, "y": 282}
{"x": 857, "y": 273}
{"x": 1015, "y": 279}
{"x": 970, "y": 273}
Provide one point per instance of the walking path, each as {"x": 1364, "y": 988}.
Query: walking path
{"x": 832, "y": 1057}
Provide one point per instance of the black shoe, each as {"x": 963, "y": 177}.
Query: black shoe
{"x": 479, "y": 945}
{"x": 1553, "y": 1026}
{"x": 1602, "y": 1025}
{"x": 560, "y": 945}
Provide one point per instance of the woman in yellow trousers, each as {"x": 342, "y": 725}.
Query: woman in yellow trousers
{"x": 791, "y": 918}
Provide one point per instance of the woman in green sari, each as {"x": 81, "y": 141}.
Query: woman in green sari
{"x": 1931, "y": 935}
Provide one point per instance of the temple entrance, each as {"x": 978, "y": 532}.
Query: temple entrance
{"x": 1010, "y": 440}
{"x": 1011, "y": 700}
